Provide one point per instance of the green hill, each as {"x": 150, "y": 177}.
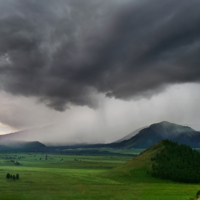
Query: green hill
{"x": 177, "y": 162}
{"x": 164, "y": 160}
{"x": 136, "y": 169}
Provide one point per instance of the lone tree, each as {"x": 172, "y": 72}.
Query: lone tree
{"x": 17, "y": 176}
{"x": 7, "y": 175}
{"x": 17, "y": 163}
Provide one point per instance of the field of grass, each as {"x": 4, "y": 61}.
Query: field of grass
{"x": 67, "y": 177}
{"x": 131, "y": 151}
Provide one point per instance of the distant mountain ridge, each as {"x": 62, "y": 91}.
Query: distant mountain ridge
{"x": 149, "y": 136}
{"x": 141, "y": 138}
{"x": 18, "y": 141}
{"x": 130, "y": 135}
{"x": 171, "y": 130}
{"x": 163, "y": 130}
{"x": 22, "y": 144}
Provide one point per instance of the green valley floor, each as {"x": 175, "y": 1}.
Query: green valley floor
{"x": 72, "y": 177}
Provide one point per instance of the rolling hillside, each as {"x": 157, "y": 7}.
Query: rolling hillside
{"x": 163, "y": 160}
{"x": 143, "y": 160}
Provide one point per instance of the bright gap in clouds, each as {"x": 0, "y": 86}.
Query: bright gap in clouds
{"x": 6, "y": 129}
{"x": 112, "y": 120}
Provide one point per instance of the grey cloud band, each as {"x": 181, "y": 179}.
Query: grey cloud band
{"x": 65, "y": 51}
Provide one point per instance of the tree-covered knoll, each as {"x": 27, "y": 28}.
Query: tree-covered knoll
{"x": 177, "y": 162}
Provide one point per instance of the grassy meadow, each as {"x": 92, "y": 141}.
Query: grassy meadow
{"x": 74, "y": 177}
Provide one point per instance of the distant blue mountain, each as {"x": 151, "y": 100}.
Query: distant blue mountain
{"x": 24, "y": 145}
{"x": 163, "y": 130}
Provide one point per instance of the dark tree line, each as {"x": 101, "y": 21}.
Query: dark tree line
{"x": 177, "y": 162}
{"x": 8, "y": 176}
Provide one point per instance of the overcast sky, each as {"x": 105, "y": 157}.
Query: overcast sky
{"x": 96, "y": 70}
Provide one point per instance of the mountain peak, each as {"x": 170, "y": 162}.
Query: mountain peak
{"x": 160, "y": 131}
{"x": 166, "y": 123}
{"x": 170, "y": 129}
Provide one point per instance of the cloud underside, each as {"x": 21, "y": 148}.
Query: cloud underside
{"x": 64, "y": 52}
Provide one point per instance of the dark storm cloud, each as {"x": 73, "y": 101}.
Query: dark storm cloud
{"x": 65, "y": 51}
{"x": 152, "y": 44}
